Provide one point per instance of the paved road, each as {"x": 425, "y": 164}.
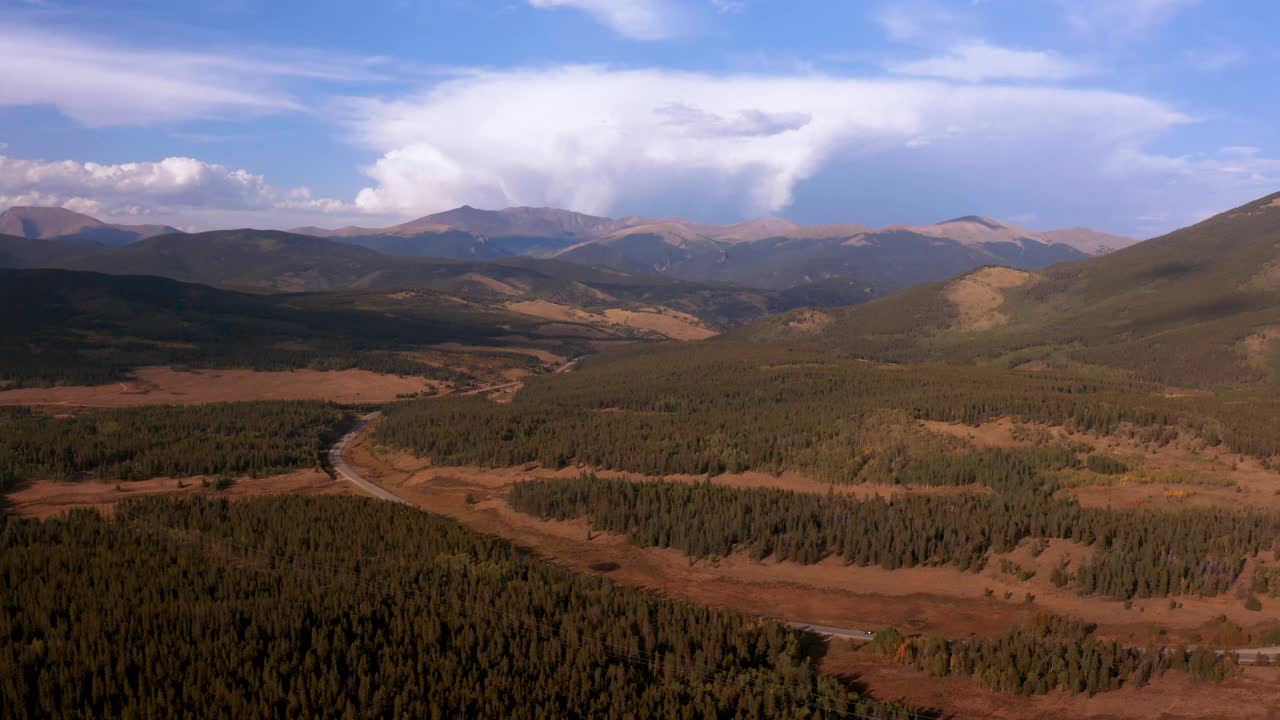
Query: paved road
{"x": 493, "y": 388}
{"x": 1250, "y": 655}
{"x": 834, "y": 632}
{"x": 345, "y": 471}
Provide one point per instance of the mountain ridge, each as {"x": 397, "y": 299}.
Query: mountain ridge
{"x": 554, "y": 222}
{"x": 769, "y": 252}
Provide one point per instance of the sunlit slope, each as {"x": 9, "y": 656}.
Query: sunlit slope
{"x": 1199, "y": 306}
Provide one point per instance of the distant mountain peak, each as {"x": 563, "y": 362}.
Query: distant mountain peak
{"x": 40, "y": 223}
{"x": 57, "y": 223}
{"x": 986, "y": 222}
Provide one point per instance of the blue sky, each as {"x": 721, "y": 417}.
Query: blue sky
{"x": 1132, "y": 116}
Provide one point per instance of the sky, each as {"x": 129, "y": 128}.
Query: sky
{"x": 1128, "y": 116}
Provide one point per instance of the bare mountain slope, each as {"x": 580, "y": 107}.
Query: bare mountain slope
{"x": 471, "y": 233}
{"x": 50, "y": 223}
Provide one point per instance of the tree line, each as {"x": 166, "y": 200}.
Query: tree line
{"x": 1140, "y": 553}
{"x": 297, "y": 607}
{"x": 1048, "y": 654}
{"x": 239, "y": 438}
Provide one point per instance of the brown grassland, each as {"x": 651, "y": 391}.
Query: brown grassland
{"x": 45, "y": 498}
{"x": 167, "y": 386}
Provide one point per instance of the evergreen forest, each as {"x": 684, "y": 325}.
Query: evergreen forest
{"x": 294, "y": 607}
{"x": 1048, "y": 654}
{"x": 1198, "y": 551}
{"x": 239, "y": 438}
{"x": 730, "y": 407}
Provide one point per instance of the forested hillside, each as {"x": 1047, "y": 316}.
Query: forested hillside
{"x": 1199, "y": 306}
{"x": 19, "y": 252}
{"x": 87, "y": 328}
{"x": 346, "y": 607}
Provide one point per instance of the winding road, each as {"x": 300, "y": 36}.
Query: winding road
{"x": 340, "y": 467}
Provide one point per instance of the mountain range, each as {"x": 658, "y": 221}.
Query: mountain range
{"x": 821, "y": 265}
{"x": 767, "y": 252}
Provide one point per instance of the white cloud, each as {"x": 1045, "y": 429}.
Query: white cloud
{"x": 100, "y": 84}
{"x": 725, "y": 7}
{"x": 979, "y": 61}
{"x": 175, "y": 186}
{"x": 1121, "y": 18}
{"x": 636, "y": 19}
{"x": 592, "y": 138}
{"x": 923, "y": 21}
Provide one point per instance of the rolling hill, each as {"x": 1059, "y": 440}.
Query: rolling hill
{"x": 1199, "y": 306}
{"x": 246, "y": 259}
{"x": 19, "y": 252}
{"x": 54, "y": 223}
{"x": 89, "y": 328}
{"x": 274, "y": 261}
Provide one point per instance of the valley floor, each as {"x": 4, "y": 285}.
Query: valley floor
{"x": 944, "y": 601}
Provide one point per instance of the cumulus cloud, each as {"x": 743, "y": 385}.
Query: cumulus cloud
{"x": 636, "y": 19}
{"x": 99, "y": 84}
{"x": 593, "y": 138}
{"x": 172, "y": 186}
{"x": 978, "y": 61}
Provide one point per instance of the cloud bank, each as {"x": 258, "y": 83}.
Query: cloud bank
{"x": 589, "y": 137}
